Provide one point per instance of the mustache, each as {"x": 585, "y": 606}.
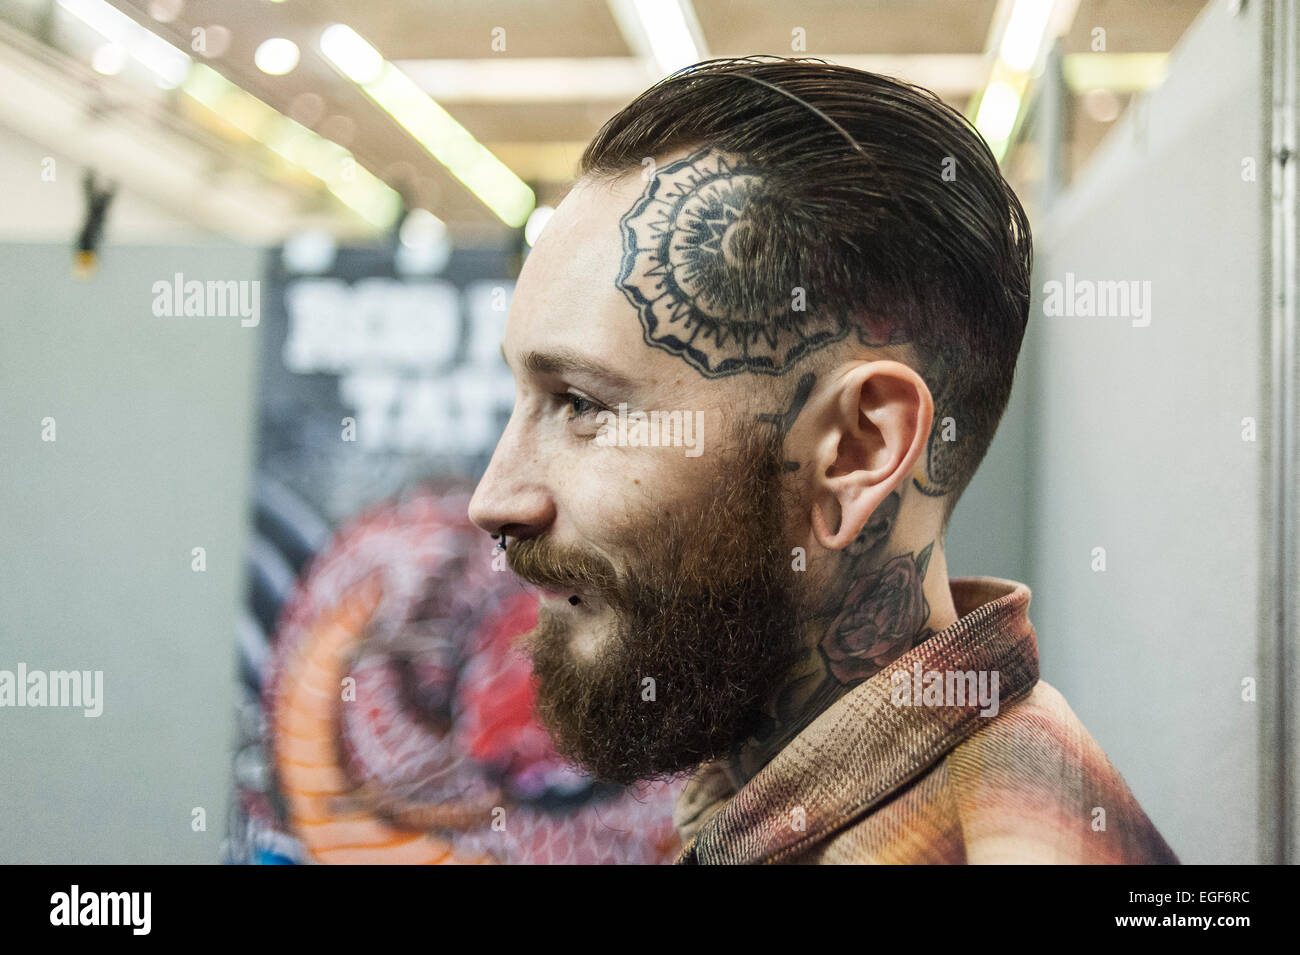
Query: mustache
{"x": 554, "y": 567}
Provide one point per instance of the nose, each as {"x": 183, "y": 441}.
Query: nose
{"x": 512, "y": 497}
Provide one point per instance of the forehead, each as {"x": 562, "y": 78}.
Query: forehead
{"x": 567, "y": 294}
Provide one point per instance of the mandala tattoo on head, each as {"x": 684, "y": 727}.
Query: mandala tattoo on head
{"x": 700, "y": 270}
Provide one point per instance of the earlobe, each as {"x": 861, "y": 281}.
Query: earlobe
{"x": 852, "y": 513}
{"x": 827, "y": 517}
{"x": 823, "y": 534}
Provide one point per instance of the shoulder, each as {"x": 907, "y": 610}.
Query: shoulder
{"x": 1032, "y": 785}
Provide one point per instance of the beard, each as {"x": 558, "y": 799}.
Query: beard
{"x": 705, "y": 607}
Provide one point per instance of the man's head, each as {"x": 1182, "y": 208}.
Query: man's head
{"x": 806, "y": 265}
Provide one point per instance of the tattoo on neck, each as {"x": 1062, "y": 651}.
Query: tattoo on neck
{"x": 883, "y": 613}
{"x": 875, "y": 612}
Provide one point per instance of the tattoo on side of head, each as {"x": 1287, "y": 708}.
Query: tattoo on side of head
{"x": 703, "y": 270}
{"x": 785, "y": 420}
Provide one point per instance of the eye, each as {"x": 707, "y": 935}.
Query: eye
{"x": 579, "y": 406}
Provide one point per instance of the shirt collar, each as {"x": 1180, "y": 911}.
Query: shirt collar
{"x": 864, "y": 746}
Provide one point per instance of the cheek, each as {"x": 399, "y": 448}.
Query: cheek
{"x": 612, "y": 494}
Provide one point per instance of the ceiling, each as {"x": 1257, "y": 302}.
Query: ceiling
{"x": 532, "y": 81}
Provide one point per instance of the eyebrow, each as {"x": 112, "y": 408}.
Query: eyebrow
{"x": 562, "y": 362}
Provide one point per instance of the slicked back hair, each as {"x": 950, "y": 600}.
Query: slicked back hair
{"x": 880, "y": 201}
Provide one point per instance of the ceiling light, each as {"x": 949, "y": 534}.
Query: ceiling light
{"x": 664, "y": 32}
{"x": 311, "y": 252}
{"x": 307, "y": 108}
{"x": 357, "y": 59}
{"x": 1024, "y": 34}
{"x": 168, "y": 64}
{"x": 670, "y": 38}
{"x": 165, "y": 11}
{"x": 998, "y": 111}
{"x": 216, "y": 41}
{"x": 446, "y": 140}
{"x": 421, "y": 227}
{"x": 333, "y": 165}
{"x": 276, "y": 56}
{"x": 109, "y": 58}
{"x": 536, "y": 223}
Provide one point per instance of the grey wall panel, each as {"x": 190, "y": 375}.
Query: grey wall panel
{"x": 1136, "y": 444}
{"x": 152, "y": 457}
{"x": 988, "y": 535}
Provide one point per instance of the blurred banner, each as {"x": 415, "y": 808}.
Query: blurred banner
{"x": 386, "y": 715}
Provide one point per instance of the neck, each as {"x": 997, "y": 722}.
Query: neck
{"x": 883, "y": 602}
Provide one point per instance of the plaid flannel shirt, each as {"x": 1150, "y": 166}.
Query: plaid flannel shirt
{"x": 871, "y": 780}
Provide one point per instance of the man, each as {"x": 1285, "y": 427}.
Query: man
{"x": 759, "y": 350}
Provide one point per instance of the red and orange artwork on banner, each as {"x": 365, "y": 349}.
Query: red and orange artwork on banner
{"x": 400, "y": 711}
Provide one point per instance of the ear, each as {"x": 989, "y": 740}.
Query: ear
{"x": 872, "y": 429}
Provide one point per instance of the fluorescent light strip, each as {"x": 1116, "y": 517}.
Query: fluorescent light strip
{"x": 666, "y": 31}
{"x": 1029, "y": 26}
{"x": 664, "y": 34}
{"x": 327, "y": 161}
{"x": 351, "y": 182}
{"x": 1023, "y": 38}
{"x": 446, "y": 140}
{"x": 168, "y": 64}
